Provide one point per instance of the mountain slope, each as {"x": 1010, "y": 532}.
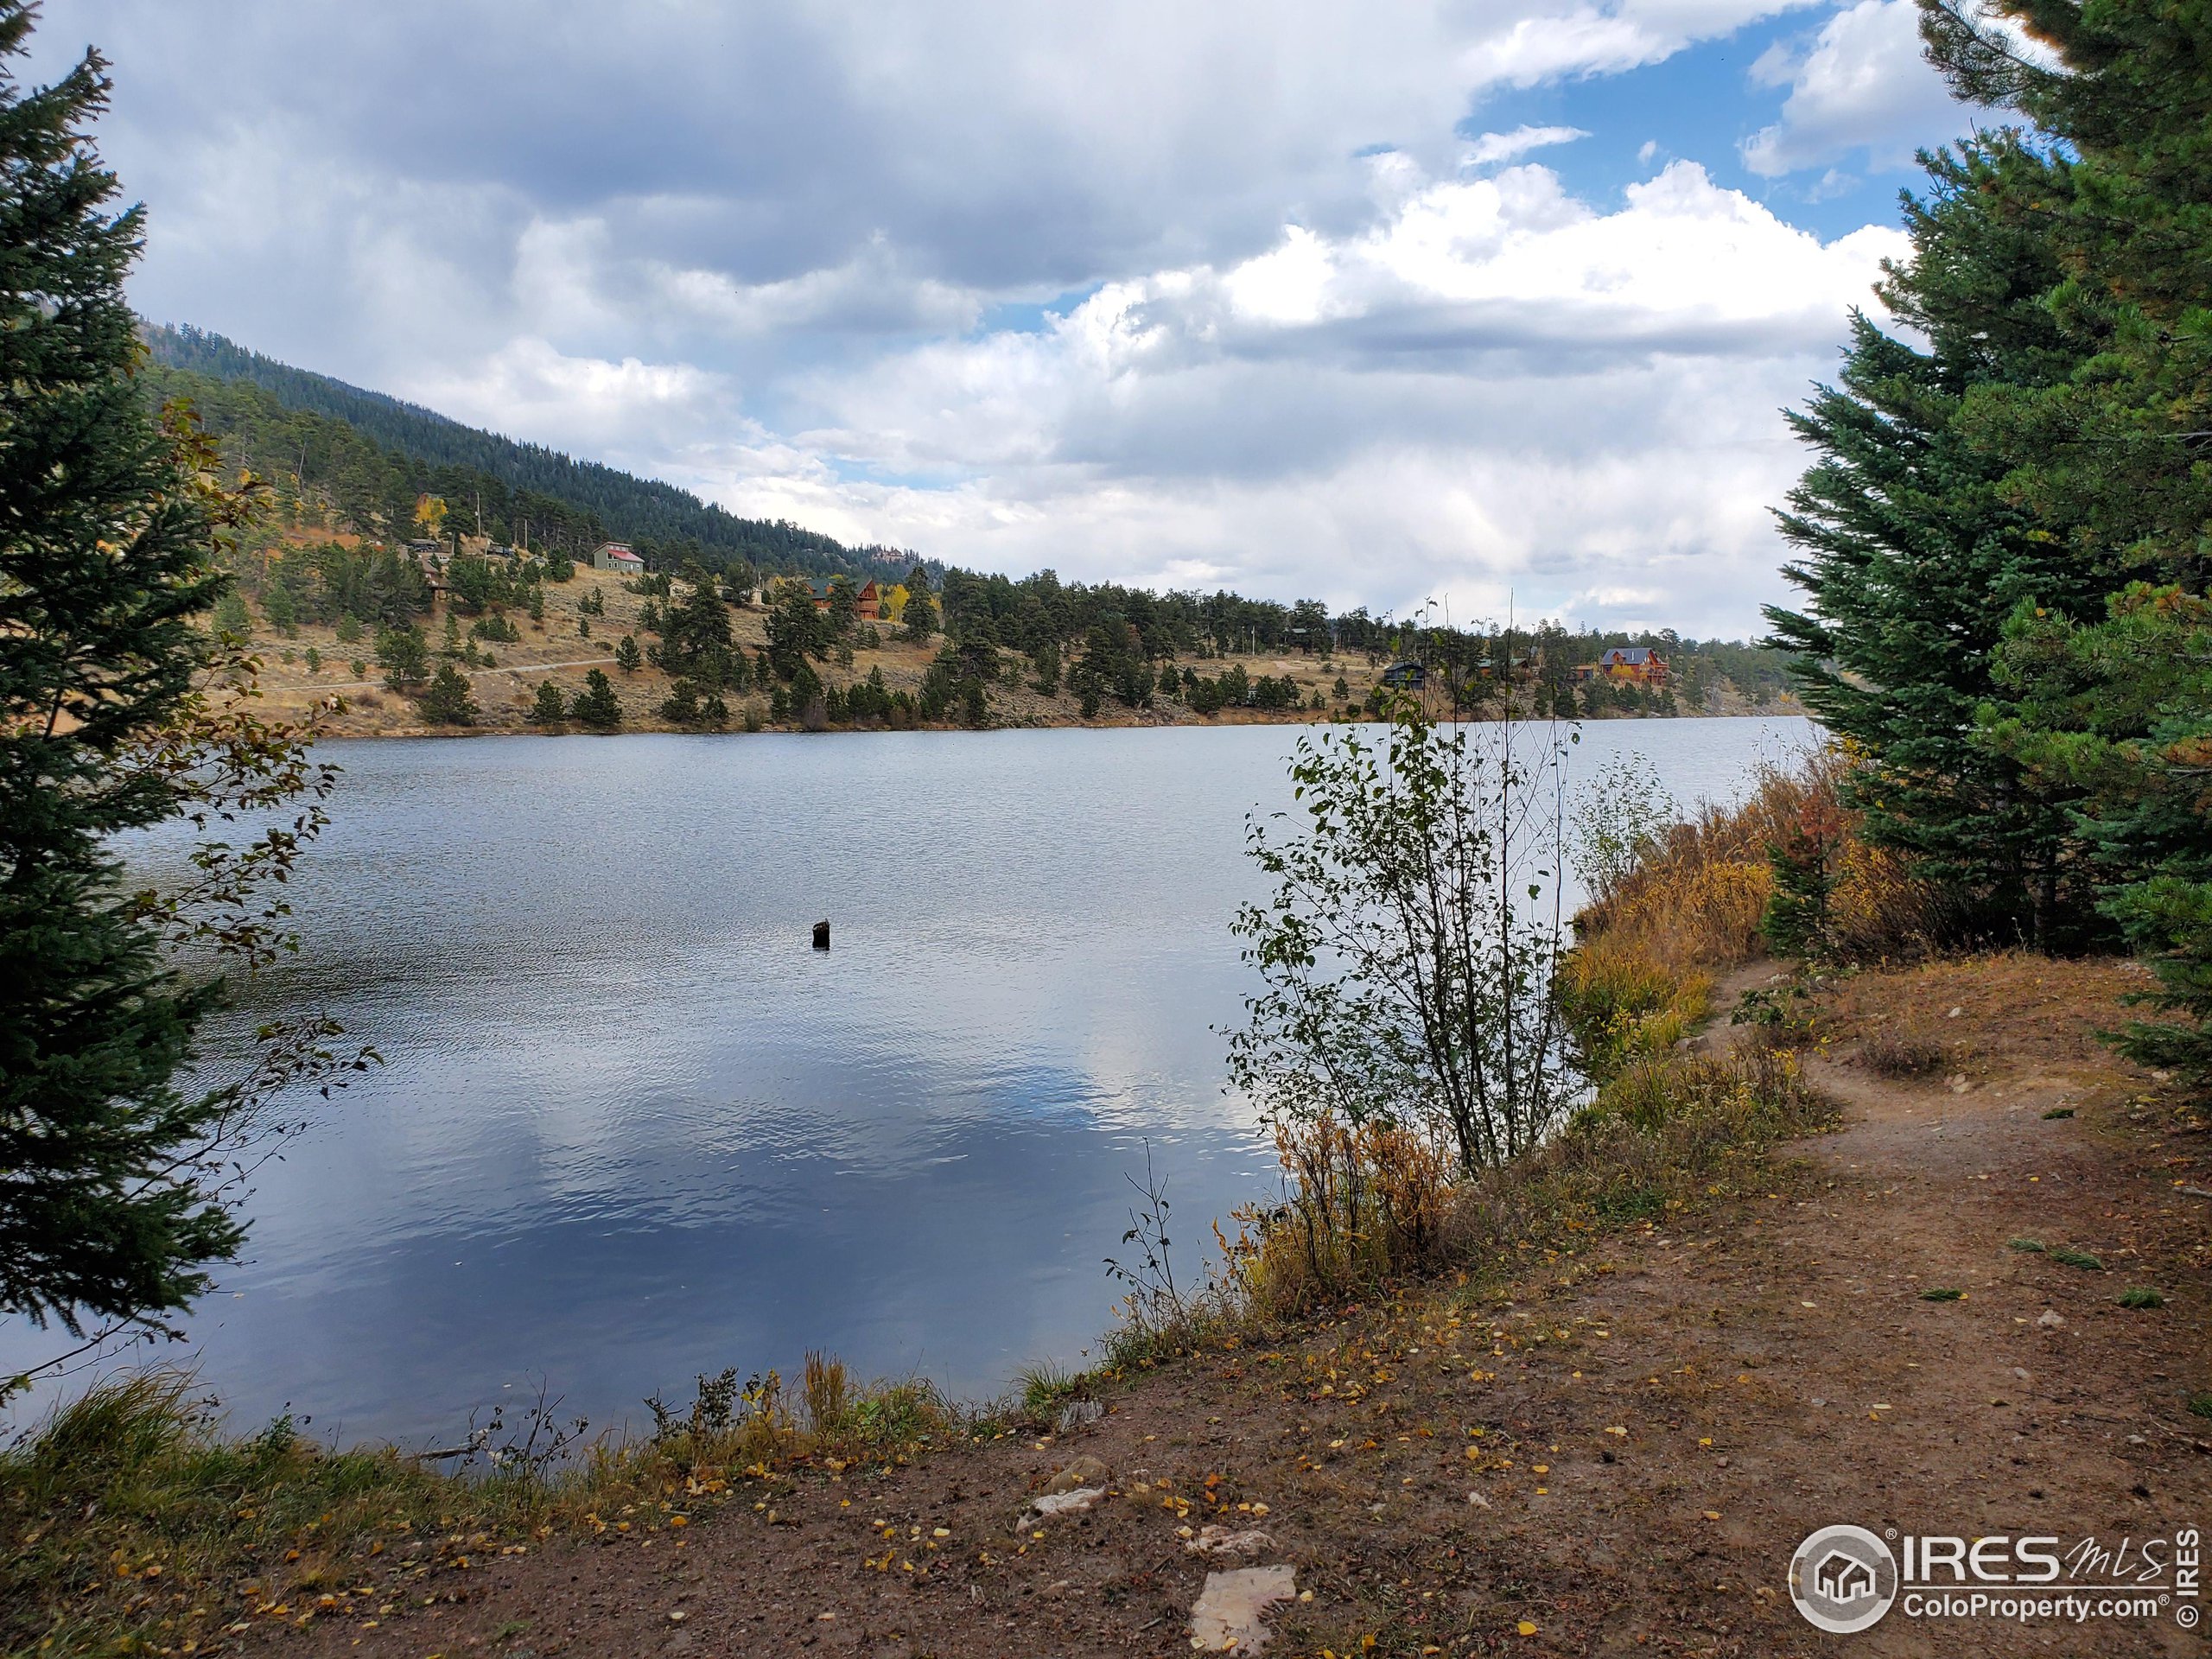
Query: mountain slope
{"x": 296, "y": 411}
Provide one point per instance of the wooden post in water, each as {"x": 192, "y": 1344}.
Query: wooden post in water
{"x": 822, "y": 936}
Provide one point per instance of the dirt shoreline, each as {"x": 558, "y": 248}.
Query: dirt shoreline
{"x": 1616, "y": 1454}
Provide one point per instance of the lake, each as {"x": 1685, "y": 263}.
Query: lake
{"x": 632, "y": 1127}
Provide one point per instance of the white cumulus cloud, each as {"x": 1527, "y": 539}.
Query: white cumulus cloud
{"x": 1865, "y": 88}
{"x": 1494, "y": 146}
{"x": 1499, "y": 392}
{"x": 1150, "y": 291}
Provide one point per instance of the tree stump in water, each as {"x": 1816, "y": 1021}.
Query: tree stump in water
{"x": 822, "y": 936}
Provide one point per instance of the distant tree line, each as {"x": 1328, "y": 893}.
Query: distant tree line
{"x": 1112, "y": 643}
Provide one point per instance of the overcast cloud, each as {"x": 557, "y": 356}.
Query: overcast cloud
{"x": 1292, "y": 298}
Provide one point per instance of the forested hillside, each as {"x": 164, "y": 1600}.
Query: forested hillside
{"x": 374, "y": 454}
{"x": 368, "y": 458}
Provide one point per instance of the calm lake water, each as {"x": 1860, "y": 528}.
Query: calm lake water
{"x": 631, "y": 1126}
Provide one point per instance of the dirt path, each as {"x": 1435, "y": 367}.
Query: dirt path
{"x": 1620, "y": 1460}
{"x": 470, "y": 673}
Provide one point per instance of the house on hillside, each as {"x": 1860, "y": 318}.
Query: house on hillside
{"x": 1639, "y": 664}
{"x": 1406, "y": 676}
{"x": 615, "y": 556}
{"x": 1519, "y": 665}
{"x": 1626, "y": 665}
{"x": 867, "y": 598}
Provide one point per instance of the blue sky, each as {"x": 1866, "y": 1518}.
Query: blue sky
{"x": 1493, "y": 303}
{"x": 1703, "y": 103}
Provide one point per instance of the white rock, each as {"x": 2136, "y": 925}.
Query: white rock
{"x": 1217, "y": 1539}
{"x": 1227, "y": 1619}
{"x": 1044, "y": 1507}
{"x": 2050, "y": 1320}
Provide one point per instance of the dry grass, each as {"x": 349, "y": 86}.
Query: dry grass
{"x": 2040, "y": 1010}
{"x": 1366, "y": 1203}
{"x": 136, "y": 1523}
{"x": 1903, "y": 1054}
{"x": 1877, "y": 910}
{"x": 1698, "y": 902}
{"x": 827, "y": 1393}
{"x": 1641, "y": 975}
{"x": 1373, "y": 1205}
{"x": 1666, "y": 1136}
{"x": 1695, "y": 901}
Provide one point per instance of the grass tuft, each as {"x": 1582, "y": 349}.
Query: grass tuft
{"x": 2142, "y": 1296}
{"x": 2027, "y": 1246}
{"x": 2081, "y": 1259}
{"x": 1046, "y": 1385}
{"x": 827, "y": 1392}
{"x": 1943, "y": 1294}
{"x": 1903, "y": 1054}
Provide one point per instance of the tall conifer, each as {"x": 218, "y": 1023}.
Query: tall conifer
{"x": 2114, "y": 460}
{"x": 105, "y": 540}
{"x": 1912, "y": 555}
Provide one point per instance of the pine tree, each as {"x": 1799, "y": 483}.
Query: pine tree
{"x": 549, "y": 709}
{"x": 1913, "y": 556}
{"x": 681, "y": 706}
{"x": 2121, "y": 709}
{"x": 2113, "y": 457}
{"x": 448, "y": 700}
{"x": 106, "y": 538}
{"x": 404, "y": 656}
{"x": 844, "y": 607}
{"x": 2116, "y": 460}
{"x": 233, "y": 618}
{"x": 920, "y": 617}
{"x": 596, "y": 704}
{"x": 627, "y": 656}
{"x": 696, "y": 636}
